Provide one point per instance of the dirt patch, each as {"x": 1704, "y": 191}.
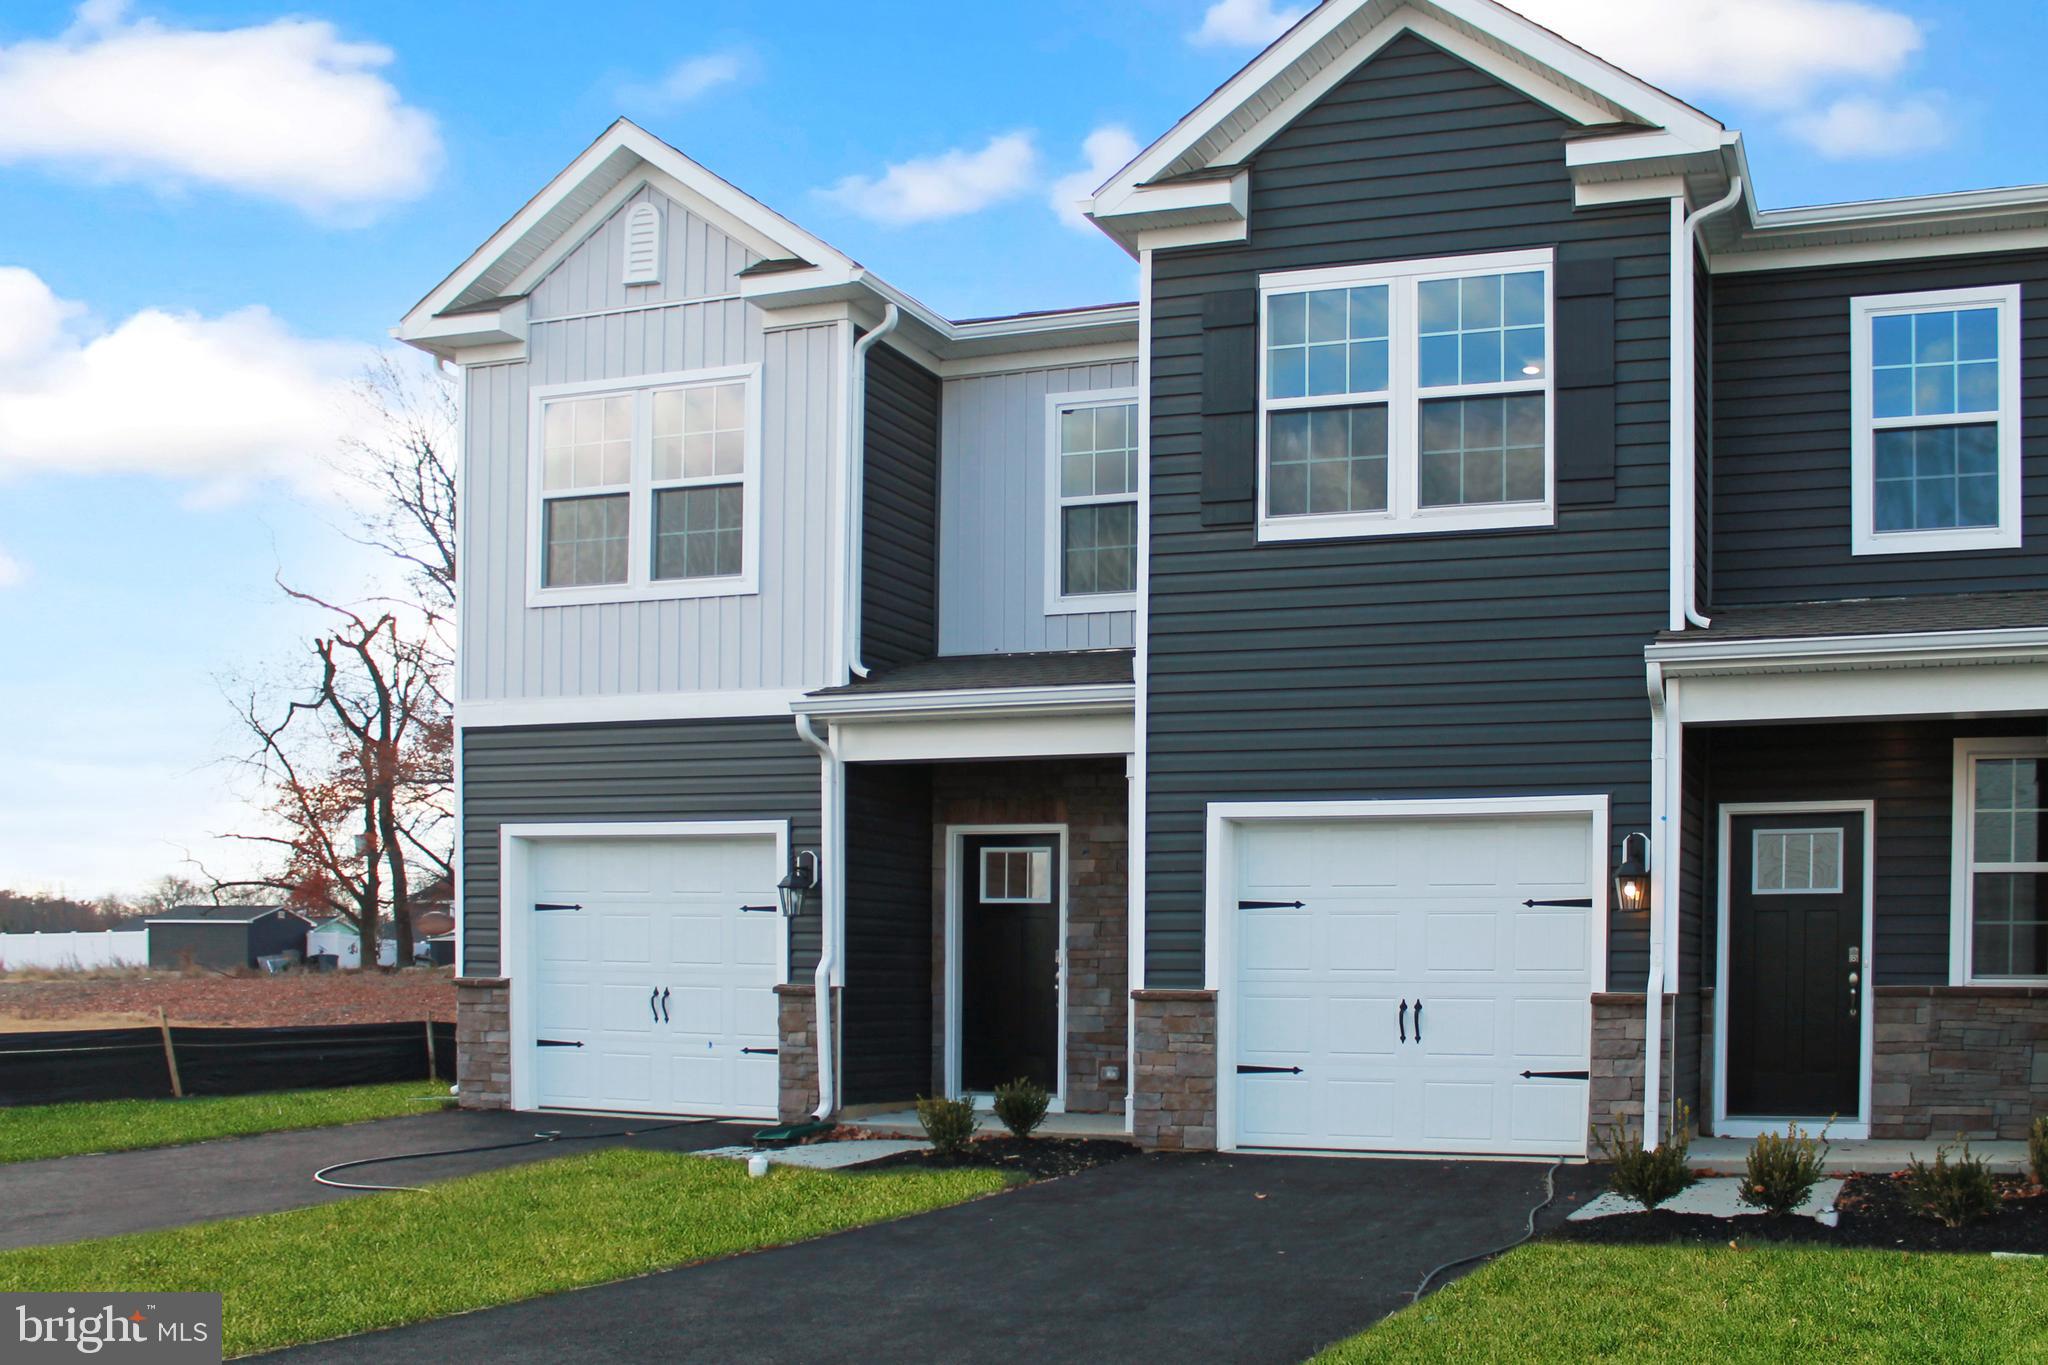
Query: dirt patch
{"x": 294, "y": 998}
{"x": 1874, "y": 1214}
{"x": 1038, "y": 1158}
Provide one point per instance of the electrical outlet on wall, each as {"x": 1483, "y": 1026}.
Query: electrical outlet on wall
{"x": 1112, "y": 1072}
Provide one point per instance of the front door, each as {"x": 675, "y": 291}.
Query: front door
{"x": 1009, "y": 960}
{"x": 1795, "y": 965}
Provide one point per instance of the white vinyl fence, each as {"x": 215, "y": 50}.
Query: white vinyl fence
{"x": 75, "y": 952}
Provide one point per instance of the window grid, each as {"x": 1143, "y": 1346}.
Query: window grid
{"x": 1016, "y": 876}
{"x": 1796, "y": 862}
{"x": 1095, "y": 473}
{"x": 2008, "y": 877}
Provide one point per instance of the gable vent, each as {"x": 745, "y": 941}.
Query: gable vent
{"x": 643, "y": 244}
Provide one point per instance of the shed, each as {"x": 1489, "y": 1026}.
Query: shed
{"x": 224, "y": 936}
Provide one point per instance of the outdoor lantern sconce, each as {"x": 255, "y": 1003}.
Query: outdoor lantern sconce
{"x": 800, "y": 881}
{"x": 1632, "y": 878}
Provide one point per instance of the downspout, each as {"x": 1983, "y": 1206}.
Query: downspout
{"x": 1653, "y": 989}
{"x": 832, "y": 813}
{"x": 1685, "y": 396}
{"x": 857, "y": 480}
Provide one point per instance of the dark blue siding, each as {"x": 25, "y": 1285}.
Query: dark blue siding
{"x": 1476, "y": 664}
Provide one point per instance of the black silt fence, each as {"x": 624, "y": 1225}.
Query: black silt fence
{"x": 130, "y": 1063}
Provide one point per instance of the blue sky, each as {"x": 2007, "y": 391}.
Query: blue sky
{"x": 211, "y": 213}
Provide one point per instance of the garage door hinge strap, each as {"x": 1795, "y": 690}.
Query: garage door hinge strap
{"x": 1263, "y": 1070}
{"x": 554, "y": 1042}
{"x": 762, "y": 1051}
{"x": 760, "y": 910}
{"x": 545, "y": 906}
{"x": 1271, "y": 905}
{"x": 1581, "y": 903}
{"x": 1557, "y": 1075}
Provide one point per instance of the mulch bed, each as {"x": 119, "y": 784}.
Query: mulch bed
{"x": 1036, "y": 1158}
{"x": 1874, "y": 1215}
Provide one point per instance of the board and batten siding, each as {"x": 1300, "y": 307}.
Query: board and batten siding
{"x": 747, "y": 769}
{"x": 1781, "y": 435}
{"x": 698, "y": 262}
{"x": 775, "y": 638}
{"x": 993, "y": 505}
{"x": 1478, "y": 664}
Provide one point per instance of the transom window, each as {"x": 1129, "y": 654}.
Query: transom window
{"x": 1016, "y": 876}
{"x": 1092, "y": 551}
{"x": 1935, "y": 447}
{"x": 1794, "y": 862}
{"x": 2002, "y": 853}
{"x": 1406, "y": 397}
{"x": 645, "y": 492}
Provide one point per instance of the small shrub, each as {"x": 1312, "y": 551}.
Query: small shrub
{"x": 1021, "y": 1105}
{"x": 1952, "y": 1193}
{"x": 2037, "y": 1149}
{"x": 948, "y": 1123}
{"x": 1783, "y": 1170}
{"x": 1648, "y": 1176}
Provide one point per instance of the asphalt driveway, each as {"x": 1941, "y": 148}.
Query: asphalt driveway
{"x": 71, "y": 1198}
{"x": 1197, "y": 1258}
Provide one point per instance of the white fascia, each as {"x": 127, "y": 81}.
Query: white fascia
{"x": 976, "y": 702}
{"x": 1676, "y": 658}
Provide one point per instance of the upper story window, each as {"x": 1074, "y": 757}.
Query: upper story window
{"x": 1092, "y": 540}
{"x": 646, "y": 492}
{"x": 1407, "y": 397}
{"x": 1999, "y": 927}
{"x": 1935, "y": 446}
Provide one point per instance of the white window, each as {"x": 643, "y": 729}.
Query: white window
{"x": 648, "y": 491}
{"x": 1999, "y": 923}
{"x": 1405, "y": 398}
{"x": 1935, "y": 440}
{"x": 1092, "y": 520}
{"x": 1796, "y": 862}
{"x": 1016, "y": 876}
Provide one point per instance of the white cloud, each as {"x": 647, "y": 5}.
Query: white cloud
{"x": 286, "y": 110}
{"x": 13, "y": 572}
{"x": 943, "y": 186}
{"x": 219, "y": 401}
{"x": 1777, "y": 53}
{"x": 1108, "y": 149}
{"x": 1244, "y": 23}
{"x": 691, "y": 79}
{"x": 1860, "y": 126}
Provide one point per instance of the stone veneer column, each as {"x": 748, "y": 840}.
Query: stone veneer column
{"x": 1969, "y": 1061}
{"x": 797, "y": 1062}
{"x": 1174, "y": 1088}
{"x": 483, "y": 1042}
{"x": 1619, "y": 1029}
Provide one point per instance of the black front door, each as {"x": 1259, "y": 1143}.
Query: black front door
{"x": 1009, "y": 960}
{"x": 1795, "y": 964}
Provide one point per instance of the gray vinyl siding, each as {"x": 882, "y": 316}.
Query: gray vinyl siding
{"x": 698, "y": 262}
{"x": 1482, "y": 664}
{"x": 750, "y": 769}
{"x": 887, "y": 1002}
{"x": 775, "y": 638}
{"x": 1908, "y": 769}
{"x": 899, "y": 542}
{"x": 994, "y": 501}
{"x": 1782, "y": 424}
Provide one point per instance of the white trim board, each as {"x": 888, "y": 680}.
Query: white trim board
{"x": 945, "y": 739}
{"x": 956, "y": 835}
{"x": 1749, "y": 1126}
{"x": 625, "y": 706}
{"x": 1220, "y": 893}
{"x": 515, "y": 848}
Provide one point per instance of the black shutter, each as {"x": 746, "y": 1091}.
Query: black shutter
{"x": 1230, "y": 401}
{"x": 1583, "y": 349}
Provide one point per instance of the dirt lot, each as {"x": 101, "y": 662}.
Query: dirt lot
{"x": 118, "y": 999}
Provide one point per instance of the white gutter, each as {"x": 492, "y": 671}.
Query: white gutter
{"x": 1684, "y": 398}
{"x": 856, "y": 476}
{"x": 832, "y": 802}
{"x": 1069, "y": 699}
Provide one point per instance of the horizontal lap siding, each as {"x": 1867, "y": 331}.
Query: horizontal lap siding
{"x": 1781, "y": 435}
{"x": 887, "y": 1005}
{"x": 755, "y": 769}
{"x": 899, "y": 545}
{"x": 1482, "y": 664}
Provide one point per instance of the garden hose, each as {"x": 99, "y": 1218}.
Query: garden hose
{"x": 550, "y": 1135}
{"x": 1549, "y": 1194}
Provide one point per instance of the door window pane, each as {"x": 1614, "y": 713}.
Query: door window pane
{"x": 584, "y": 541}
{"x": 1326, "y": 460}
{"x": 1016, "y": 875}
{"x": 1796, "y": 861}
{"x": 697, "y": 531}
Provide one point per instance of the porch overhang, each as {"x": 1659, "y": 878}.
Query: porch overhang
{"x": 965, "y": 724}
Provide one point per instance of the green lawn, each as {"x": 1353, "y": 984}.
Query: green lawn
{"x": 380, "y": 1260}
{"x": 1562, "y": 1302}
{"x": 44, "y": 1130}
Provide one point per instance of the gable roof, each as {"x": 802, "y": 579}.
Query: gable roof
{"x": 219, "y": 914}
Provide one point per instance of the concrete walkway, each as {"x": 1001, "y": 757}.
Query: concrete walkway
{"x": 72, "y": 1198}
{"x": 1209, "y": 1258}
{"x": 1874, "y": 1156}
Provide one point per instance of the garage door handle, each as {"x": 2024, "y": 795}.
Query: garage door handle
{"x": 664, "y": 1004}
{"x": 1404, "y": 1021}
{"x": 654, "y": 1005}
{"x": 1418, "y": 1021}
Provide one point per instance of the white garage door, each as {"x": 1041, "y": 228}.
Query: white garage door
{"x": 1393, "y": 986}
{"x": 654, "y": 963}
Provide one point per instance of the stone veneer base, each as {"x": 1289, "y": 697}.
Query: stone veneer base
{"x": 797, "y": 1063}
{"x": 483, "y": 1042}
{"x": 1174, "y": 1085}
